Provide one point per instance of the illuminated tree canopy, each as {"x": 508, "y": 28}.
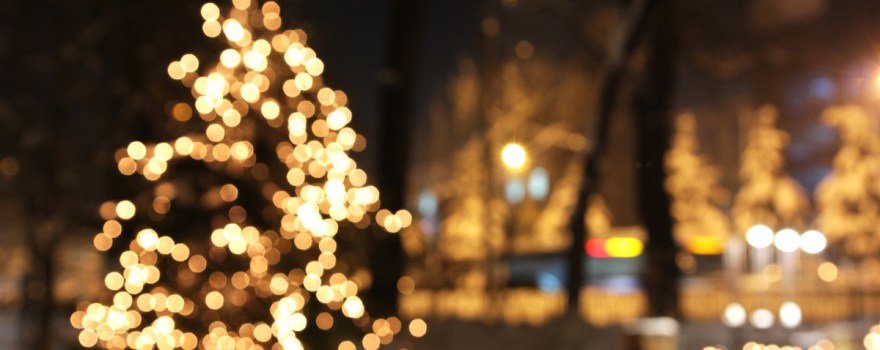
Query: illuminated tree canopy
{"x": 269, "y": 132}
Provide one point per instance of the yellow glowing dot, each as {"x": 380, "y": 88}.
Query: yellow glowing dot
{"x": 231, "y": 118}
{"x": 353, "y": 307}
{"x": 346, "y": 345}
{"x": 262, "y": 332}
{"x": 210, "y": 11}
{"x": 370, "y": 341}
{"x": 418, "y": 327}
{"x": 183, "y": 145}
{"x": 180, "y": 252}
{"x": 250, "y": 92}
{"x": 254, "y": 60}
{"x": 125, "y": 209}
{"x": 102, "y": 241}
{"x": 215, "y": 132}
{"x": 406, "y": 285}
{"x": 303, "y": 81}
{"x": 294, "y": 56}
{"x": 128, "y": 258}
{"x": 113, "y": 280}
{"x": 827, "y": 271}
{"x": 214, "y": 300}
{"x": 324, "y": 321}
{"x": 88, "y": 338}
{"x": 176, "y": 70}
{"x": 233, "y": 30}
{"x": 241, "y": 4}
{"x": 136, "y": 150}
{"x": 197, "y": 263}
{"x": 270, "y": 109}
{"x": 290, "y": 88}
{"x": 181, "y": 111}
{"x": 164, "y": 151}
{"x": 230, "y": 58}
{"x": 127, "y": 166}
{"x": 314, "y": 66}
{"x": 623, "y": 247}
{"x": 228, "y": 192}
{"x": 112, "y": 228}
{"x": 513, "y": 155}
{"x": 164, "y": 325}
{"x": 211, "y": 28}
{"x": 338, "y": 119}
{"x": 189, "y": 62}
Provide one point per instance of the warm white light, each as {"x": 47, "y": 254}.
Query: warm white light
{"x": 762, "y": 319}
{"x": 787, "y": 240}
{"x": 734, "y": 315}
{"x": 759, "y": 236}
{"x": 813, "y": 242}
{"x": 513, "y": 155}
{"x": 790, "y": 315}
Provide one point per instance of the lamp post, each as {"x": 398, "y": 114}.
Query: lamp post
{"x": 514, "y": 158}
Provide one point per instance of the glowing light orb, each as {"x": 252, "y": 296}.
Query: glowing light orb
{"x": 513, "y": 155}
{"x": 787, "y": 240}
{"x": 759, "y": 236}
{"x": 813, "y": 242}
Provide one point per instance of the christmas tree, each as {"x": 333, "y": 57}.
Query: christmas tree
{"x": 263, "y": 264}
{"x": 766, "y": 195}
{"x": 692, "y": 183}
{"x": 848, "y": 200}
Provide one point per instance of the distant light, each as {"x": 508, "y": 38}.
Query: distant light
{"x": 596, "y": 248}
{"x": 513, "y": 155}
{"x": 872, "y": 341}
{"x": 427, "y": 203}
{"x": 827, "y": 271}
{"x": 614, "y": 247}
{"x": 813, "y": 242}
{"x": 515, "y": 191}
{"x": 734, "y": 315}
{"x": 623, "y": 247}
{"x": 759, "y": 236}
{"x": 539, "y": 183}
{"x": 762, "y": 319}
{"x": 787, "y": 240}
{"x": 790, "y": 315}
{"x": 658, "y": 326}
{"x": 548, "y": 282}
{"x": 705, "y": 245}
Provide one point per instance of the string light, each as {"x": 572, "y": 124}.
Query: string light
{"x": 270, "y": 77}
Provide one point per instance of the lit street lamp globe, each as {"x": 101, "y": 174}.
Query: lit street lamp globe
{"x": 513, "y": 155}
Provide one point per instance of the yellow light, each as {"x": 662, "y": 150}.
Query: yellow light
{"x": 214, "y": 300}
{"x": 827, "y": 271}
{"x": 759, "y": 236}
{"x": 418, "y": 328}
{"x": 513, "y": 155}
{"x": 233, "y": 30}
{"x": 136, "y": 150}
{"x": 705, "y": 245}
{"x": 125, "y": 210}
{"x": 623, "y": 247}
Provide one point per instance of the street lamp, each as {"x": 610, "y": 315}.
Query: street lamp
{"x": 514, "y": 156}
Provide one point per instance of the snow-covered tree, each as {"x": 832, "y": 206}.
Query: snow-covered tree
{"x": 693, "y": 186}
{"x": 848, "y": 200}
{"x": 244, "y": 254}
{"x": 767, "y": 195}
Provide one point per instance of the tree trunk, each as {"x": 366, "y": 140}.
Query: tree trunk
{"x": 622, "y": 47}
{"x": 652, "y": 102}
{"x": 386, "y": 256}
